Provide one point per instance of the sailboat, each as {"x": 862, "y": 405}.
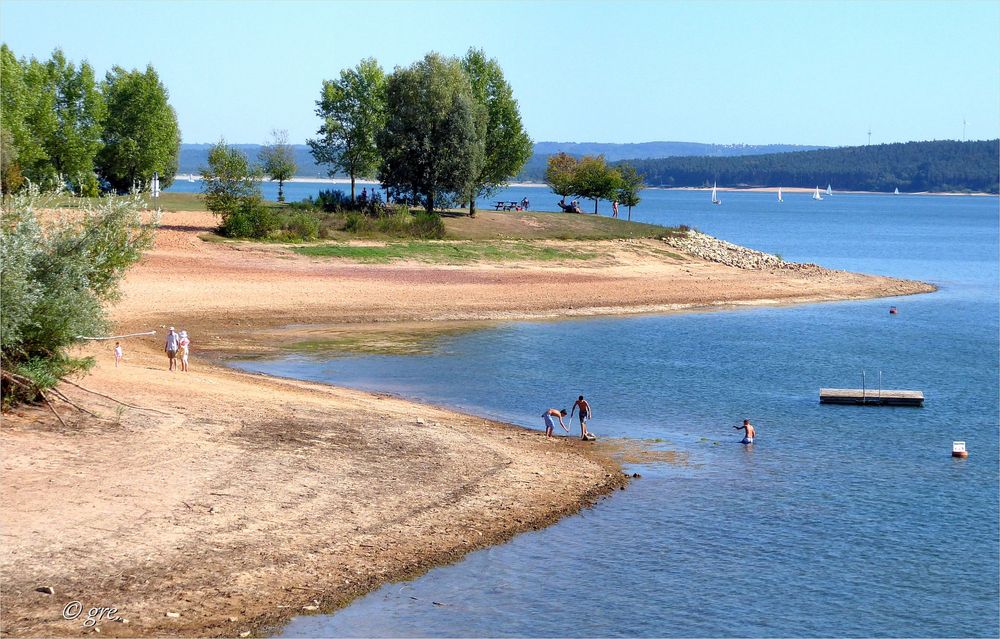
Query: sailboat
{"x": 779, "y": 195}
{"x": 715, "y": 196}
{"x": 816, "y": 195}
{"x": 897, "y": 191}
{"x": 190, "y": 177}
{"x": 829, "y": 190}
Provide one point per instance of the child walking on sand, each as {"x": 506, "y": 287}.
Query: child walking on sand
{"x": 118, "y": 353}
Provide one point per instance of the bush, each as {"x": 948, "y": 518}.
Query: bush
{"x": 251, "y": 218}
{"x": 54, "y": 281}
{"x": 301, "y": 226}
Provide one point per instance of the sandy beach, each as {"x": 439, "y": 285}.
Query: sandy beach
{"x": 223, "y": 503}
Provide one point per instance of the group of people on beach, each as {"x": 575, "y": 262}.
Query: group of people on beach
{"x": 585, "y": 414}
{"x": 177, "y": 347}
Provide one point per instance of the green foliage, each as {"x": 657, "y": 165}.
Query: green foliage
{"x": 56, "y": 277}
{"x": 631, "y": 185}
{"x": 506, "y": 145}
{"x": 11, "y": 179}
{"x": 141, "y": 136}
{"x": 278, "y": 161}
{"x": 560, "y": 173}
{"x": 249, "y": 217}
{"x": 229, "y": 180}
{"x": 432, "y": 143}
{"x": 353, "y": 111}
{"x": 944, "y": 165}
{"x": 27, "y": 114}
{"x": 80, "y": 112}
{"x": 448, "y": 252}
{"x": 399, "y": 223}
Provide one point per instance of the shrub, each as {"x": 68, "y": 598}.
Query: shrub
{"x": 54, "y": 281}
{"x": 251, "y": 218}
{"x": 301, "y": 225}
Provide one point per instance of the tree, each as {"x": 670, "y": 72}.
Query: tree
{"x": 432, "y": 145}
{"x": 506, "y": 146}
{"x": 353, "y": 113}
{"x": 141, "y": 136}
{"x": 55, "y": 279}
{"x": 278, "y": 160}
{"x": 631, "y": 185}
{"x": 229, "y": 180}
{"x": 560, "y": 174}
{"x": 28, "y": 113}
{"x": 80, "y": 112}
{"x": 593, "y": 179}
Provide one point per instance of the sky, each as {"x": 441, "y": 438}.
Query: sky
{"x": 818, "y": 73}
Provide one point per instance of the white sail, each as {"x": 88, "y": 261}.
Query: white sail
{"x": 715, "y": 196}
{"x": 829, "y": 190}
{"x": 816, "y": 195}
{"x": 779, "y": 195}
{"x": 897, "y": 192}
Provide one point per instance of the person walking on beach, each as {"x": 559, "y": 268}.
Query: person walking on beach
{"x": 185, "y": 344}
{"x": 751, "y": 432}
{"x": 118, "y": 353}
{"x": 585, "y": 414}
{"x": 170, "y": 347}
{"x": 550, "y": 424}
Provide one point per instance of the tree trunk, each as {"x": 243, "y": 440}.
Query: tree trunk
{"x": 472, "y": 205}
{"x": 430, "y": 202}
{"x": 595, "y": 206}
{"x": 281, "y": 190}
{"x": 352, "y": 188}
{"x": 630, "y": 214}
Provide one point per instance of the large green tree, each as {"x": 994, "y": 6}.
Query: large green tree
{"x": 80, "y": 111}
{"x": 141, "y": 136}
{"x": 278, "y": 160}
{"x": 595, "y": 180}
{"x": 631, "y": 184}
{"x": 28, "y": 114}
{"x": 506, "y": 146}
{"x": 353, "y": 112}
{"x": 432, "y": 145}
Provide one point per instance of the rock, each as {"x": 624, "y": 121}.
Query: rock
{"x": 636, "y": 476}
{"x": 48, "y": 590}
{"x": 245, "y": 634}
{"x": 174, "y": 615}
{"x": 420, "y": 420}
{"x": 310, "y": 607}
{"x": 234, "y": 619}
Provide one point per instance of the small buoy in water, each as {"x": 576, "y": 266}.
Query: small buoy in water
{"x": 958, "y": 450}
{"x": 892, "y": 310}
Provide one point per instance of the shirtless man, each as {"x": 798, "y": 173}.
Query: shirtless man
{"x": 585, "y": 414}
{"x": 549, "y": 424}
{"x": 751, "y": 432}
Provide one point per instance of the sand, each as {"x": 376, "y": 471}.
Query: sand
{"x": 230, "y": 502}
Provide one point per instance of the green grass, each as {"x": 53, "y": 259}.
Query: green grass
{"x": 447, "y": 252}
{"x": 529, "y": 225}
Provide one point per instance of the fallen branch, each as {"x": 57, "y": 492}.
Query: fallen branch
{"x": 74, "y": 404}
{"x": 113, "y": 399}
{"x": 52, "y": 408}
{"x": 117, "y": 336}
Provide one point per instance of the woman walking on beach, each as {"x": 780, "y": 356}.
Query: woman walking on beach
{"x": 185, "y": 344}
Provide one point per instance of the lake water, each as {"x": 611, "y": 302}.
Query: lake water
{"x": 840, "y": 521}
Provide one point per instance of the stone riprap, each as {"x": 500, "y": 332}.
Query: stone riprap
{"x": 715, "y": 250}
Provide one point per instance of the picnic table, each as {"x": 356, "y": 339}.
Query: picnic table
{"x": 507, "y": 206}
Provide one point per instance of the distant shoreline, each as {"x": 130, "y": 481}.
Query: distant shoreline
{"x": 536, "y": 185}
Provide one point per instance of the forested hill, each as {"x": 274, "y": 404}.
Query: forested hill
{"x": 939, "y": 166}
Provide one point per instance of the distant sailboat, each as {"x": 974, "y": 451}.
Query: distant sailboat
{"x": 896, "y": 192}
{"x": 816, "y": 195}
{"x": 779, "y": 195}
{"x": 715, "y": 196}
{"x": 829, "y": 190}
{"x": 190, "y": 177}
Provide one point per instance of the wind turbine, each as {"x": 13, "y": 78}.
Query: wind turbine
{"x": 869, "y": 136}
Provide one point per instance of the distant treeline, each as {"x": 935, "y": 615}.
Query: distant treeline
{"x": 938, "y": 166}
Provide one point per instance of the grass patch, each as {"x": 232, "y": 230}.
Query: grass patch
{"x": 446, "y": 252}
{"x": 529, "y": 225}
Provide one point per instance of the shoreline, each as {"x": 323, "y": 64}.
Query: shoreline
{"x": 542, "y": 185}
{"x": 234, "y": 501}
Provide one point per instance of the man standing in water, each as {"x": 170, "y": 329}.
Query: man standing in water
{"x": 585, "y": 414}
{"x": 750, "y": 431}
{"x": 549, "y": 424}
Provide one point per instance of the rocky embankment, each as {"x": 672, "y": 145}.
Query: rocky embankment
{"x": 716, "y": 250}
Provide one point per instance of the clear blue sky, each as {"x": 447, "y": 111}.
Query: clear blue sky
{"x": 752, "y": 72}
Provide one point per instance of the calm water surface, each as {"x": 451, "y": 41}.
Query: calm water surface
{"x": 840, "y": 521}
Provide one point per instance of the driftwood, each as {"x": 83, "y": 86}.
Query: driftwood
{"x": 52, "y": 408}
{"x": 59, "y": 395}
{"x": 117, "y": 336}
{"x": 154, "y": 410}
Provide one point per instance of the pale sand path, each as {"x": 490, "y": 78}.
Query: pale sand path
{"x": 248, "y": 498}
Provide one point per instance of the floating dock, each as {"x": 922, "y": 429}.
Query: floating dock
{"x": 861, "y": 397}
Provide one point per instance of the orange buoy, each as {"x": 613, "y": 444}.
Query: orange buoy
{"x": 958, "y": 450}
